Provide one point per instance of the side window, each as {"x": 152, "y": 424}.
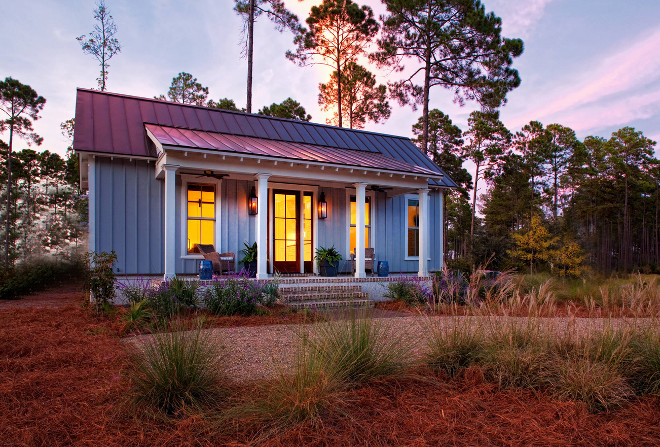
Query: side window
{"x": 412, "y": 236}
{"x": 367, "y": 223}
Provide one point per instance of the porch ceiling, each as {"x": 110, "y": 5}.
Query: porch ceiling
{"x": 272, "y": 149}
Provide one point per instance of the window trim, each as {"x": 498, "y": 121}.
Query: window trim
{"x": 404, "y": 218}
{"x": 372, "y": 234}
{"x": 183, "y": 200}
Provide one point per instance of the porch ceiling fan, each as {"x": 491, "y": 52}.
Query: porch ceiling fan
{"x": 210, "y": 174}
{"x": 379, "y": 188}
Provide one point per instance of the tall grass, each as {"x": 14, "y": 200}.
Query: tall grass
{"x": 358, "y": 349}
{"x": 175, "y": 370}
{"x": 332, "y": 358}
{"x": 601, "y": 367}
{"x": 541, "y": 295}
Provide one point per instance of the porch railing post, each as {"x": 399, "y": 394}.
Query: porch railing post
{"x": 262, "y": 226}
{"x": 359, "y": 229}
{"x": 170, "y": 220}
{"x": 423, "y": 232}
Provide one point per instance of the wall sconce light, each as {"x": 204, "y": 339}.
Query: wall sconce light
{"x": 323, "y": 207}
{"x": 252, "y": 203}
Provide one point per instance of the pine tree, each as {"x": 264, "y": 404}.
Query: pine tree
{"x": 339, "y": 31}
{"x": 457, "y": 45}
{"x": 101, "y": 42}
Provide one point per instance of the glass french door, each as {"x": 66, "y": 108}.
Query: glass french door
{"x": 286, "y": 234}
{"x": 292, "y": 235}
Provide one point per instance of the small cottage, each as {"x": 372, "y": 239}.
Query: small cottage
{"x": 166, "y": 179}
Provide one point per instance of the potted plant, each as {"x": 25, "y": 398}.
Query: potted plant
{"x": 250, "y": 259}
{"x": 328, "y": 260}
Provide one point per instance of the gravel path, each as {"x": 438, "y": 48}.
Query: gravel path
{"x": 263, "y": 352}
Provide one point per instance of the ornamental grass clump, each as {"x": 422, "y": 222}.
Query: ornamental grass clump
{"x": 176, "y": 370}
{"x": 358, "y": 349}
{"x": 453, "y": 347}
{"x": 330, "y": 361}
{"x": 599, "y": 385}
{"x": 299, "y": 395}
{"x": 643, "y": 371}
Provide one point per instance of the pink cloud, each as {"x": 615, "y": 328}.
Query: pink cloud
{"x": 629, "y": 68}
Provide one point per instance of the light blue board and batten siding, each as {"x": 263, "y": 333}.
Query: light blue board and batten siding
{"x": 129, "y": 220}
{"x": 129, "y": 214}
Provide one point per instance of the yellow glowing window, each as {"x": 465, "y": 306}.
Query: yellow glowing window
{"x": 201, "y": 215}
{"x": 367, "y": 223}
{"x": 413, "y": 227}
{"x": 307, "y": 226}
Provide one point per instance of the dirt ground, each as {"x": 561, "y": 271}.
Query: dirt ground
{"x": 62, "y": 383}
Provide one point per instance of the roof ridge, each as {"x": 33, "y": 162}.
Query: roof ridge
{"x": 141, "y": 98}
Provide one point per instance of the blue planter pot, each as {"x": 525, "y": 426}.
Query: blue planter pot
{"x": 383, "y": 269}
{"x": 205, "y": 270}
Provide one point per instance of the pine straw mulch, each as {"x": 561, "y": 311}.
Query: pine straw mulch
{"x": 61, "y": 383}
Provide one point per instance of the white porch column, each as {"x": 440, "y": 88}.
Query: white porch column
{"x": 170, "y": 220}
{"x": 91, "y": 189}
{"x": 423, "y": 232}
{"x": 359, "y": 229}
{"x": 262, "y": 225}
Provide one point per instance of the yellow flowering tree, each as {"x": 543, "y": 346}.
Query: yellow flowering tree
{"x": 535, "y": 245}
{"x": 569, "y": 260}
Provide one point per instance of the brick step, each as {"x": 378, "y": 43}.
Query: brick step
{"x": 325, "y": 296}
{"x": 318, "y": 289}
{"x": 331, "y": 304}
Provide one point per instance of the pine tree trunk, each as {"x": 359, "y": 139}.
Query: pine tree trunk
{"x": 8, "y": 217}
{"x": 425, "y": 114}
{"x": 626, "y": 241}
{"x": 339, "y": 111}
{"x": 474, "y": 202}
{"x": 249, "y": 56}
{"x": 556, "y": 194}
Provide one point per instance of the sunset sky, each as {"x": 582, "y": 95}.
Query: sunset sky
{"x": 591, "y": 65}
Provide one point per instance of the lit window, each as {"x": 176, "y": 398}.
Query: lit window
{"x": 201, "y": 215}
{"x": 413, "y": 227}
{"x": 307, "y": 226}
{"x": 367, "y": 223}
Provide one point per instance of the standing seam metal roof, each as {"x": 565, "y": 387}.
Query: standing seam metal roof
{"x": 115, "y": 124}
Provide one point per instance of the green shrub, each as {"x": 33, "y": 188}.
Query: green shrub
{"x": 175, "y": 370}
{"x": 358, "y": 349}
{"x": 410, "y": 291}
{"x": 171, "y": 298}
{"x": 30, "y": 277}
{"x": 233, "y": 296}
{"x": 101, "y": 279}
{"x": 184, "y": 293}
{"x": 270, "y": 291}
{"x": 138, "y": 313}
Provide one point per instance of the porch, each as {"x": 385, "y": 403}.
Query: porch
{"x": 293, "y": 207}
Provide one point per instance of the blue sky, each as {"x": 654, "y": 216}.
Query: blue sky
{"x": 592, "y": 65}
